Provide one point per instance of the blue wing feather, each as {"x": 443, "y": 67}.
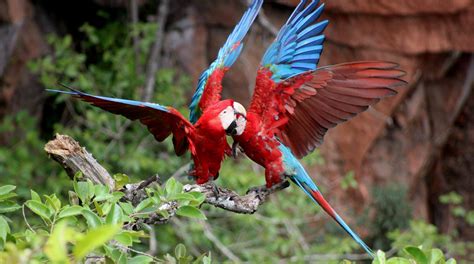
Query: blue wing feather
{"x": 227, "y": 55}
{"x": 298, "y": 45}
{"x": 116, "y": 100}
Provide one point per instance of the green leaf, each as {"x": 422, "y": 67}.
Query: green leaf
{"x": 459, "y": 211}
{"x": 141, "y": 259}
{"x": 451, "y": 198}
{"x": 39, "y": 209}
{"x": 93, "y": 221}
{"x": 121, "y": 180}
{"x": 451, "y": 261}
{"x": 207, "y": 259}
{"x": 35, "y": 196}
{"x": 199, "y": 197}
{"x": 124, "y": 238}
{"x": 53, "y": 202}
{"x": 398, "y": 260}
{"x": 143, "y": 205}
{"x": 7, "y": 189}
{"x": 4, "y": 229}
{"x": 85, "y": 191}
{"x": 470, "y": 218}
{"x": 182, "y": 197}
{"x": 68, "y": 211}
{"x": 379, "y": 258}
{"x": 56, "y": 246}
{"x": 435, "y": 256}
{"x": 417, "y": 255}
{"x": 180, "y": 251}
{"x": 95, "y": 238}
{"x": 8, "y": 207}
{"x": 170, "y": 186}
{"x": 115, "y": 215}
{"x": 98, "y": 208}
{"x": 102, "y": 193}
{"x": 173, "y": 187}
{"x": 191, "y": 212}
{"x": 127, "y": 208}
{"x": 7, "y": 196}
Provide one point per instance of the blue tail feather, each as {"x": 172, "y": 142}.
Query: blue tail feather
{"x": 301, "y": 178}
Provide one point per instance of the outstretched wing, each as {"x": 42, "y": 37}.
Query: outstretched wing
{"x": 296, "y": 49}
{"x": 313, "y": 102}
{"x": 161, "y": 121}
{"x": 209, "y": 87}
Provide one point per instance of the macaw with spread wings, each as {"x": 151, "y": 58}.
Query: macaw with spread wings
{"x": 204, "y": 135}
{"x": 295, "y": 103}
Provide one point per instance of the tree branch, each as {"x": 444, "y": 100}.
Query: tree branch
{"x": 74, "y": 158}
{"x": 155, "y": 55}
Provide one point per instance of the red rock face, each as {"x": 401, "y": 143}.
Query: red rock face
{"x": 22, "y": 40}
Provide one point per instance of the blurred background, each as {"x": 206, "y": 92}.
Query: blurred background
{"x": 402, "y": 172}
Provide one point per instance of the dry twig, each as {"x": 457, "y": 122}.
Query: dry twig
{"x": 155, "y": 55}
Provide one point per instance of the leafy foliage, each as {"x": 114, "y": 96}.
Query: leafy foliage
{"x": 393, "y": 212}
{"x": 91, "y": 226}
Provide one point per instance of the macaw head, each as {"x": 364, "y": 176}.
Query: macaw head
{"x": 233, "y": 118}
{"x": 228, "y": 114}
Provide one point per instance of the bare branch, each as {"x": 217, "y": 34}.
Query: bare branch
{"x": 75, "y": 158}
{"x": 155, "y": 55}
{"x": 230, "y": 200}
{"x": 222, "y": 248}
{"x": 136, "y": 38}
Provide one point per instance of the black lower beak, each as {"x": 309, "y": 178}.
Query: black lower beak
{"x": 231, "y": 130}
{"x": 235, "y": 147}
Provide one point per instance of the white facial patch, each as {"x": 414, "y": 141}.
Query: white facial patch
{"x": 227, "y": 116}
{"x": 241, "y": 123}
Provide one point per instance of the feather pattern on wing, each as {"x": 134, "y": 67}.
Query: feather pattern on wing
{"x": 316, "y": 101}
{"x": 160, "y": 120}
{"x": 296, "y": 49}
{"x": 209, "y": 86}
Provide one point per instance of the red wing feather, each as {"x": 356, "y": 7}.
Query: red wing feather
{"x": 319, "y": 100}
{"x": 160, "y": 121}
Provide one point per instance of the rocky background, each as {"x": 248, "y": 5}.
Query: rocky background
{"x": 422, "y": 138}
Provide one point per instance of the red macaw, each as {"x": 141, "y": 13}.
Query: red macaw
{"x": 295, "y": 103}
{"x": 205, "y": 135}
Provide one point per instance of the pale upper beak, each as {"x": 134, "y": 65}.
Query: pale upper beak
{"x": 239, "y": 110}
{"x": 240, "y": 119}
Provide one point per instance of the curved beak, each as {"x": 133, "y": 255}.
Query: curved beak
{"x": 238, "y": 114}
{"x": 232, "y": 129}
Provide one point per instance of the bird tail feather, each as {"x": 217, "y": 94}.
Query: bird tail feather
{"x": 300, "y": 179}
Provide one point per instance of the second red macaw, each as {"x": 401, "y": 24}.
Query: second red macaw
{"x": 295, "y": 103}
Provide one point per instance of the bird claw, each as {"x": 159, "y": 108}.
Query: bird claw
{"x": 257, "y": 189}
{"x": 213, "y": 187}
{"x": 262, "y": 191}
